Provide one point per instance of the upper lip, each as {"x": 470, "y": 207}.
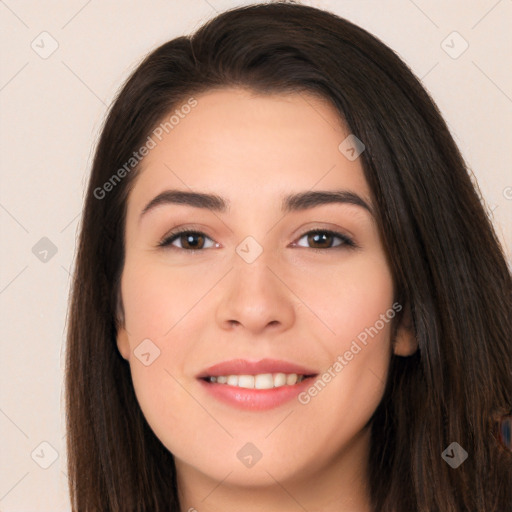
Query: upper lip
{"x": 245, "y": 367}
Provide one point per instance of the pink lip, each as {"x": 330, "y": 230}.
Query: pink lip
{"x": 254, "y": 399}
{"x": 245, "y": 367}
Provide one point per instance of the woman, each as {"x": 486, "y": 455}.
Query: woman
{"x": 217, "y": 356}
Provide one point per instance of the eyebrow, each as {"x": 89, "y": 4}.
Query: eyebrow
{"x": 292, "y": 203}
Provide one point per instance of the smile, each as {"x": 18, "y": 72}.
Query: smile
{"x": 260, "y": 381}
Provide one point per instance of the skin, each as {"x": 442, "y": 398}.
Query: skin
{"x": 291, "y": 303}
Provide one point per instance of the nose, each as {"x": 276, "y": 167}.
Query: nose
{"x": 256, "y": 298}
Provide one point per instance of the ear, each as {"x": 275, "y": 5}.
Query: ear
{"x": 405, "y": 342}
{"x": 123, "y": 343}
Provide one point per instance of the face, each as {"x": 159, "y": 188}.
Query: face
{"x": 307, "y": 286}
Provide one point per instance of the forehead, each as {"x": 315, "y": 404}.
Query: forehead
{"x": 241, "y": 145}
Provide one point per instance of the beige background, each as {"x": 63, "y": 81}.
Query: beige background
{"x": 52, "y": 110}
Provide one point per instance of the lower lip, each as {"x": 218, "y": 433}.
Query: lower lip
{"x": 254, "y": 399}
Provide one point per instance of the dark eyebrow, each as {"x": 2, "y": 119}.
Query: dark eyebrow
{"x": 292, "y": 203}
{"x": 311, "y": 199}
{"x": 194, "y": 199}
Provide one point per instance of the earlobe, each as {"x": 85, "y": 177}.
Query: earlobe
{"x": 123, "y": 344}
{"x": 405, "y": 342}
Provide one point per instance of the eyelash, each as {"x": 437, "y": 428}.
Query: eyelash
{"x": 347, "y": 243}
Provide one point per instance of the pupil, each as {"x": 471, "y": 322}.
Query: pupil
{"x": 317, "y": 235}
{"x": 191, "y": 237}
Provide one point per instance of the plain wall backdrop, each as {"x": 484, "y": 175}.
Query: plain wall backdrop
{"x": 62, "y": 63}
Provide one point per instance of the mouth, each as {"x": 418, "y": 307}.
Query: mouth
{"x": 259, "y": 381}
{"x": 256, "y": 386}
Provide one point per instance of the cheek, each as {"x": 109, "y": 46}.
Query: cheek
{"x": 156, "y": 297}
{"x": 347, "y": 298}
{"x": 159, "y": 306}
{"x": 342, "y": 399}
{"x": 357, "y": 306}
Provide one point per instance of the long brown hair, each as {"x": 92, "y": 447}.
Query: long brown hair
{"x": 447, "y": 264}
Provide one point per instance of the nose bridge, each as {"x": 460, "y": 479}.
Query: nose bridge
{"x": 252, "y": 275}
{"x": 254, "y": 296}
{"x": 251, "y": 250}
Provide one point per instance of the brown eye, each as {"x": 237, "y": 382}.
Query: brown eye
{"x": 323, "y": 239}
{"x": 190, "y": 240}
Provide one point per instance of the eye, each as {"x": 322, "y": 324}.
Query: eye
{"x": 195, "y": 240}
{"x": 325, "y": 237}
{"x": 189, "y": 237}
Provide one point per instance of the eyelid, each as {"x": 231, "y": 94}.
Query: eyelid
{"x": 335, "y": 230}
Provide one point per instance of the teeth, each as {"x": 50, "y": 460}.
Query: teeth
{"x": 260, "y": 381}
{"x": 292, "y": 379}
{"x": 279, "y": 379}
{"x": 245, "y": 381}
{"x": 264, "y": 381}
{"x": 233, "y": 380}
